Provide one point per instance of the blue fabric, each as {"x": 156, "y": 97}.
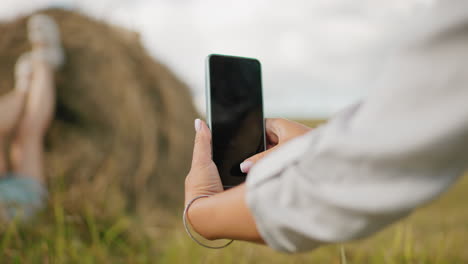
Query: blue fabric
{"x": 21, "y": 197}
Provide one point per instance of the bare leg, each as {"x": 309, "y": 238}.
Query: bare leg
{"x": 11, "y": 106}
{"x": 27, "y": 146}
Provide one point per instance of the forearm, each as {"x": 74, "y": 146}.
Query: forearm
{"x": 224, "y": 215}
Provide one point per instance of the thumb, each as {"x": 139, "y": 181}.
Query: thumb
{"x": 247, "y": 164}
{"x": 202, "y": 146}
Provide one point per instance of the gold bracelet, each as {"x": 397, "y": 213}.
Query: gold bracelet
{"x": 184, "y": 218}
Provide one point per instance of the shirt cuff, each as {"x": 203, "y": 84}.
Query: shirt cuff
{"x": 262, "y": 182}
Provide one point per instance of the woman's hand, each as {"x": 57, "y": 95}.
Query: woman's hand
{"x": 278, "y": 132}
{"x": 203, "y": 178}
{"x": 223, "y": 214}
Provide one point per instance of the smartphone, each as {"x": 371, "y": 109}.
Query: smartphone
{"x": 234, "y": 104}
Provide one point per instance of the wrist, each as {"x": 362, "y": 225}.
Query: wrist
{"x": 191, "y": 193}
{"x": 189, "y": 196}
{"x": 199, "y": 213}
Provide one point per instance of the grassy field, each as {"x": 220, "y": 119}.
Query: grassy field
{"x": 437, "y": 233}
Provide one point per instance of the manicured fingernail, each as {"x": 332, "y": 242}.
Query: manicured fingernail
{"x": 245, "y": 166}
{"x": 197, "y": 124}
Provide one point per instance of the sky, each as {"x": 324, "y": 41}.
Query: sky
{"x": 317, "y": 55}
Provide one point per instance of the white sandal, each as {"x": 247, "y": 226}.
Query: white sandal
{"x": 44, "y": 35}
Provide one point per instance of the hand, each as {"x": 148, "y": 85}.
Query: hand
{"x": 224, "y": 215}
{"x": 278, "y": 132}
{"x": 203, "y": 178}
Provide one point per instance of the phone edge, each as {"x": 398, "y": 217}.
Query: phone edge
{"x": 208, "y": 98}
{"x": 208, "y": 94}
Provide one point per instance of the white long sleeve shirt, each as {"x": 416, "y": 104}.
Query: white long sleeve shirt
{"x": 378, "y": 160}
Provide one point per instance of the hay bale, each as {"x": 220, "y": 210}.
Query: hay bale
{"x": 123, "y": 123}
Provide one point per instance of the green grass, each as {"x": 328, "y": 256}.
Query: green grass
{"x": 437, "y": 233}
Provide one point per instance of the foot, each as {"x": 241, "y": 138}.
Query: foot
{"x": 44, "y": 36}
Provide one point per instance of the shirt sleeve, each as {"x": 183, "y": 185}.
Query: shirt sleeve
{"x": 376, "y": 161}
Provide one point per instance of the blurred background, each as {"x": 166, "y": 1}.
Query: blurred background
{"x": 320, "y": 53}
{"x": 116, "y": 173}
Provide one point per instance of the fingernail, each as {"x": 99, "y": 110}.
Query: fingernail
{"x": 245, "y": 166}
{"x": 197, "y": 124}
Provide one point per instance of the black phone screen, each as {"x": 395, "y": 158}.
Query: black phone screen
{"x": 237, "y": 125}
